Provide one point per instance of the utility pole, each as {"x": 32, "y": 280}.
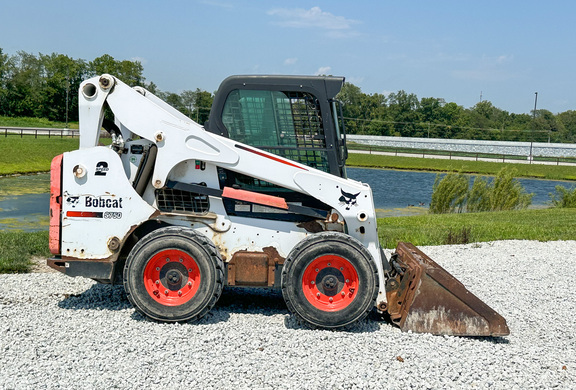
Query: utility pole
{"x": 67, "y": 94}
{"x": 533, "y": 125}
{"x": 535, "y": 102}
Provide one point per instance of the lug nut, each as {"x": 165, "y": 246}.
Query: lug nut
{"x": 189, "y": 284}
{"x": 189, "y": 269}
{"x": 343, "y": 293}
{"x": 179, "y": 292}
{"x": 341, "y": 268}
{"x": 329, "y": 264}
{"x": 166, "y": 292}
{"x": 157, "y": 268}
{"x": 312, "y": 282}
{"x": 317, "y": 270}
{"x": 167, "y": 259}
{"x": 347, "y": 280}
{"x": 157, "y": 282}
{"x": 181, "y": 260}
{"x": 318, "y": 295}
{"x": 330, "y": 299}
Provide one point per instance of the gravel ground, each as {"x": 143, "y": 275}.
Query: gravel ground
{"x": 61, "y": 332}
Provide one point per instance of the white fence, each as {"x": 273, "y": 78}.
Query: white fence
{"x": 528, "y": 149}
{"x": 36, "y": 131}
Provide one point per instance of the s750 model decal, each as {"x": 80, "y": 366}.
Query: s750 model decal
{"x": 93, "y": 214}
{"x": 84, "y": 214}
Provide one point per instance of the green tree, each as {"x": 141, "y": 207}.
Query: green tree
{"x": 24, "y": 86}
{"x": 449, "y": 193}
{"x": 173, "y": 99}
{"x": 402, "y": 108}
{"x": 130, "y": 72}
{"x": 364, "y": 114}
{"x": 202, "y": 104}
{"x": 564, "y": 197}
{"x": 453, "y": 118}
{"x": 5, "y": 66}
{"x": 568, "y": 121}
{"x": 62, "y": 78}
{"x": 503, "y": 193}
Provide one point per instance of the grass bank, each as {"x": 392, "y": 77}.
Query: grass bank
{"x": 538, "y": 171}
{"x": 438, "y": 229}
{"x": 29, "y": 154}
{"x": 35, "y": 122}
{"x": 17, "y": 249}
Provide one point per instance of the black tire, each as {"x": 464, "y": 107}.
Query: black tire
{"x": 329, "y": 280}
{"x": 173, "y": 274}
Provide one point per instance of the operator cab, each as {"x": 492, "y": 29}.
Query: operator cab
{"x": 295, "y": 117}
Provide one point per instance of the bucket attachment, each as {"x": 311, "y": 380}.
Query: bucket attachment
{"x": 425, "y": 298}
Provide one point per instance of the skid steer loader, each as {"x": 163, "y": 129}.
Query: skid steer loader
{"x": 256, "y": 197}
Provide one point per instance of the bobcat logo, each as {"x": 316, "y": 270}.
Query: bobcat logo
{"x": 348, "y": 199}
{"x": 73, "y": 200}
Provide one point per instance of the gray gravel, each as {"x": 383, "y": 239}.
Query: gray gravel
{"x": 61, "y": 332}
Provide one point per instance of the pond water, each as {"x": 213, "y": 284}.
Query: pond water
{"x": 401, "y": 193}
{"x": 24, "y": 200}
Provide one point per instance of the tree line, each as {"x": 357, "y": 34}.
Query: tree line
{"x": 403, "y": 114}
{"x": 46, "y": 86}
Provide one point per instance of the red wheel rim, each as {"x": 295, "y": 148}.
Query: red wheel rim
{"x": 330, "y": 283}
{"x": 172, "y": 277}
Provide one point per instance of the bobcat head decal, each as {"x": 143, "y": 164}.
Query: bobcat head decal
{"x": 348, "y": 199}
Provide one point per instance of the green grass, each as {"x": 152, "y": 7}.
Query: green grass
{"x": 29, "y": 154}
{"x": 551, "y": 172}
{"x": 35, "y": 122}
{"x": 17, "y": 249}
{"x": 434, "y": 229}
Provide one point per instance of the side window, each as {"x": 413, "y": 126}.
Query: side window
{"x": 288, "y": 124}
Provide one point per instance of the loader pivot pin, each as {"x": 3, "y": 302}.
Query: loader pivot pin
{"x": 176, "y": 273}
{"x": 329, "y": 283}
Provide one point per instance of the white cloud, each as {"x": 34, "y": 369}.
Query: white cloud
{"x": 504, "y": 58}
{"x": 488, "y": 69}
{"x": 323, "y": 70}
{"x": 314, "y": 17}
{"x": 290, "y": 61}
{"x": 141, "y": 60}
{"x": 355, "y": 80}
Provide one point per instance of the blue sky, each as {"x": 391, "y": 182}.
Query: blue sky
{"x": 456, "y": 50}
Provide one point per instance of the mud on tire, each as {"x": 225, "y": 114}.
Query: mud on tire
{"x": 329, "y": 280}
{"x": 173, "y": 274}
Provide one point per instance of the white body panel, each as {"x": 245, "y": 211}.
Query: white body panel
{"x": 180, "y": 143}
{"x": 99, "y": 205}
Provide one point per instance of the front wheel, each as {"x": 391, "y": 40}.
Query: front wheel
{"x": 329, "y": 280}
{"x": 173, "y": 274}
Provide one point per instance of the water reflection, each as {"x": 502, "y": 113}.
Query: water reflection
{"x": 402, "y": 193}
{"x": 24, "y": 200}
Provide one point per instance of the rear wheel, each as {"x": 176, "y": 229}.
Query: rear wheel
{"x": 329, "y": 280}
{"x": 173, "y": 274}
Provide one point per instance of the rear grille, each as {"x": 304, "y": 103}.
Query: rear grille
{"x": 176, "y": 201}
